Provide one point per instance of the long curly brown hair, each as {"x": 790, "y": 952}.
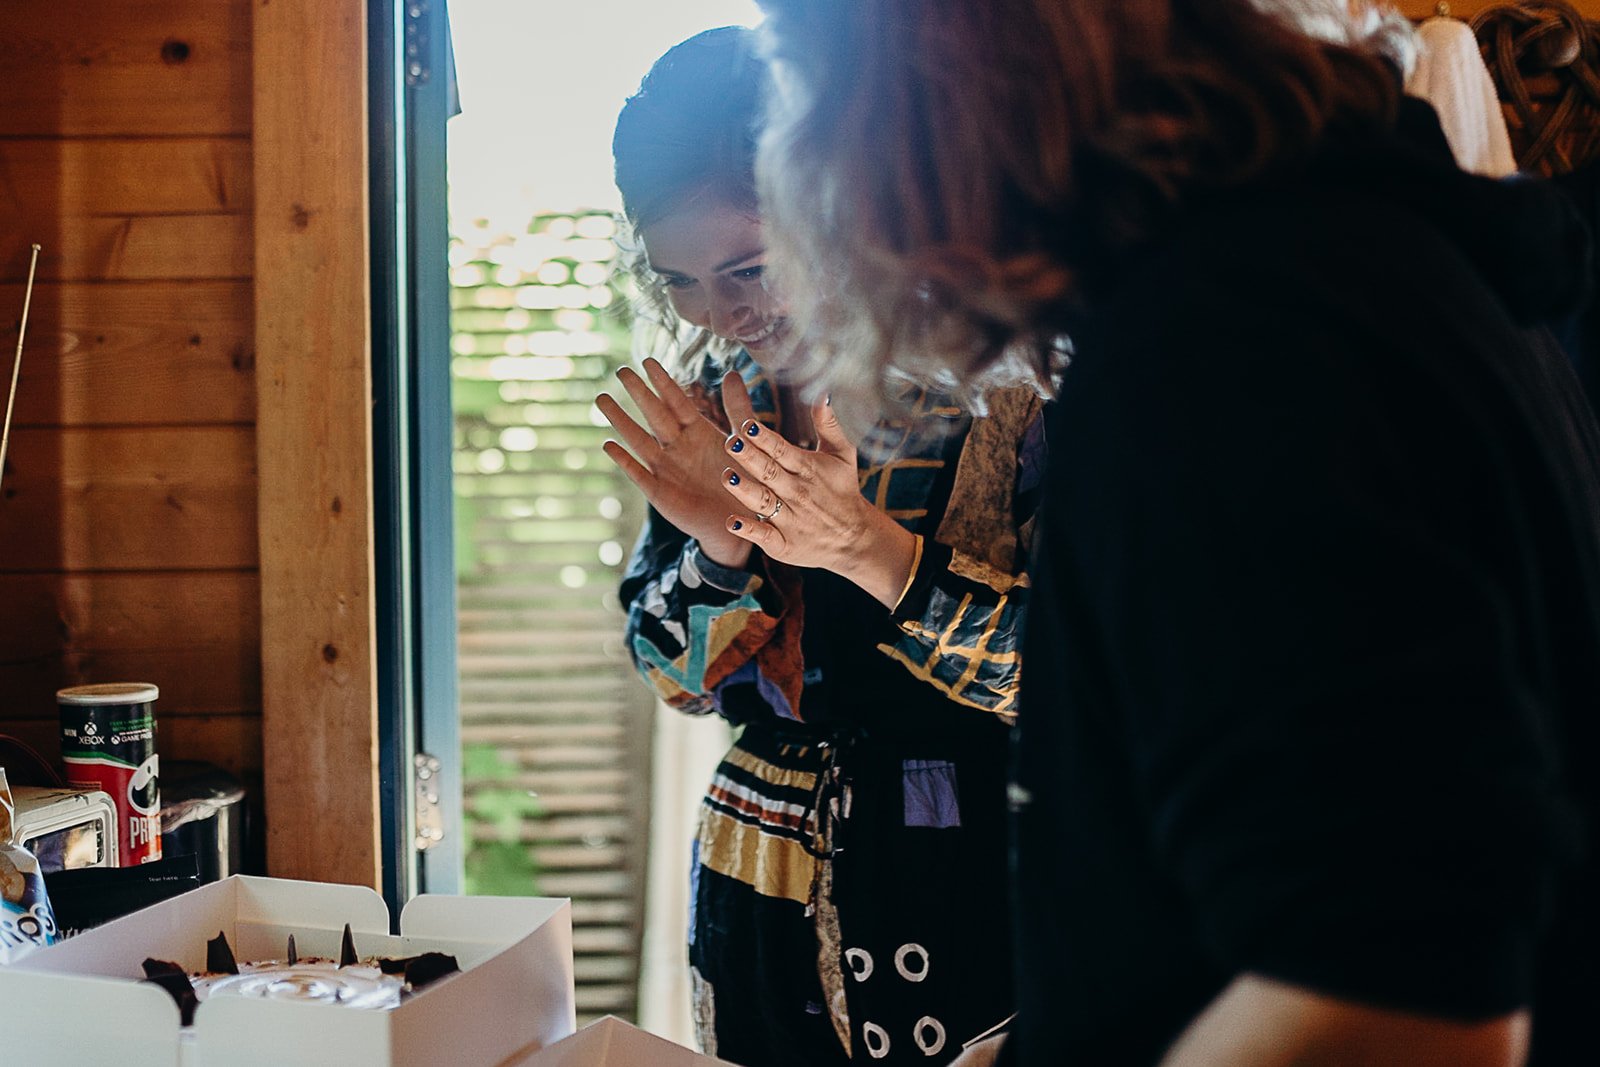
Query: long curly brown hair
{"x": 944, "y": 181}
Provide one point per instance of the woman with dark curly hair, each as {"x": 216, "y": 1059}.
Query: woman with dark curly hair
{"x": 1306, "y": 750}
{"x": 854, "y": 611}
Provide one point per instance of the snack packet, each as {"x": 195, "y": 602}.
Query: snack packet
{"x": 93, "y": 896}
{"x": 26, "y": 921}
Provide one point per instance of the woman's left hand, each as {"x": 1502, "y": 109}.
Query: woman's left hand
{"x": 814, "y": 513}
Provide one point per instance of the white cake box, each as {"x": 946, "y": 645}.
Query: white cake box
{"x": 610, "y": 1042}
{"x": 81, "y": 1001}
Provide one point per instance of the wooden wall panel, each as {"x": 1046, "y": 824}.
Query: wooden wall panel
{"x": 137, "y": 354}
{"x": 126, "y": 208}
{"x": 125, "y": 67}
{"x": 196, "y": 635}
{"x": 314, "y": 439}
{"x": 128, "y": 512}
{"x": 132, "y": 248}
{"x": 139, "y": 498}
{"x": 124, "y": 176}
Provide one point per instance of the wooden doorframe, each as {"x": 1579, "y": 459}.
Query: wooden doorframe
{"x": 314, "y": 440}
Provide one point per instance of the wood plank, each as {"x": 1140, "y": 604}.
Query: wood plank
{"x": 536, "y": 664}
{"x": 575, "y": 711}
{"x": 195, "y": 635}
{"x": 232, "y": 742}
{"x": 135, "y": 353}
{"x": 588, "y": 884}
{"x": 125, "y": 66}
{"x": 126, "y": 208}
{"x": 547, "y": 757}
{"x": 532, "y": 693}
{"x": 595, "y": 912}
{"x": 618, "y": 968}
{"x": 607, "y": 939}
{"x": 149, "y": 498}
{"x": 531, "y": 641}
{"x": 598, "y": 735}
{"x": 319, "y": 686}
{"x": 568, "y": 781}
{"x": 583, "y": 829}
{"x": 124, "y": 176}
{"x": 583, "y": 803}
{"x": 129, "y": 248}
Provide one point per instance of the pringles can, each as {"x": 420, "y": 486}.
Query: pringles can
{"x": 108, "y": 742}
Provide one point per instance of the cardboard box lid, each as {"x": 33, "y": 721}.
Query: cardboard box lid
{"x": 610, "y": 1042}
{"x": 516, "y": 956}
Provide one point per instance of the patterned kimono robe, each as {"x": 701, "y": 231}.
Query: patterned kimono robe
{"x": 850, "y": 869}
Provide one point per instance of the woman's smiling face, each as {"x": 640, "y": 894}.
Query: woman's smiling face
{"x": 711, "y": 258}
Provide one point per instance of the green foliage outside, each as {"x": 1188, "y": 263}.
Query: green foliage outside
{"x": 503, "y": 866}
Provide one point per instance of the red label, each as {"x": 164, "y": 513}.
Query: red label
{"x": 131, "y": 789}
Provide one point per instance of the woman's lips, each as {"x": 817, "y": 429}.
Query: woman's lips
{"x": 763, "y": 335}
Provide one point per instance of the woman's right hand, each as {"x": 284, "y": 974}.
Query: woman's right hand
{"x": 678, "y": 462}
{"x": 983, "y": 1054}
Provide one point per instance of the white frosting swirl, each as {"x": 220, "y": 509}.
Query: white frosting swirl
{"x": 322, "y": 982}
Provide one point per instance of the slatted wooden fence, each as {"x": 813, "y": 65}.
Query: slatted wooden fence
{"x": 555, "y": 724}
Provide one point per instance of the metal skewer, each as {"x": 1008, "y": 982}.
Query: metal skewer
{"x": 16, "y": 364}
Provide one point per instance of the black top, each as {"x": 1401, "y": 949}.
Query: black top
{"x": 1313, "y": 665}
{"x": 1580, "y": 333}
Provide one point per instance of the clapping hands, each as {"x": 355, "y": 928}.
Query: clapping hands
{"x": 809, "y": 508}
{"x": 800, "y": 506}
{"x": 677, "y": 463}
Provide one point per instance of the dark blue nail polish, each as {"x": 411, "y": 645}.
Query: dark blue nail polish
{"x": 737, "y": 525}
{"x": 733, "y": 479}
{"x": 738, "y": 445}
{"x": 753, "y": 429}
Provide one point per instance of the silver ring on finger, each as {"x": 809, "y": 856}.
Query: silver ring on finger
{"x": 773, "y": 513}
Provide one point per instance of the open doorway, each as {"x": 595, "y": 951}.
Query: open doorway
{"x": 572, "y": 784}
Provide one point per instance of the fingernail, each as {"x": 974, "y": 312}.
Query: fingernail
{"x": 737, "y": 525}
{"x": 733, "y": 479}
{"x": 752, "y": 428}
{"x": 738, "y": 445}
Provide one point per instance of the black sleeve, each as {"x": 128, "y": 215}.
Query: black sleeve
{"x": 1305, "y": 567}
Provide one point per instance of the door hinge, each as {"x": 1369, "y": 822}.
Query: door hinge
{"x": 429, "y": 817}
{"x": 417, "y": 70}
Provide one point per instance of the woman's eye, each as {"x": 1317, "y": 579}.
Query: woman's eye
{"x": 674, "y": 281}
{"x": 750, "y": 274}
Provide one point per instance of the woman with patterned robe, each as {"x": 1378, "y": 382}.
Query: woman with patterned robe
{"x": 849, "y": 879}
{"x": 849, "y": 897}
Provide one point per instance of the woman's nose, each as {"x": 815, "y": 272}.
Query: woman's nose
{"x": 731, "y": 313}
